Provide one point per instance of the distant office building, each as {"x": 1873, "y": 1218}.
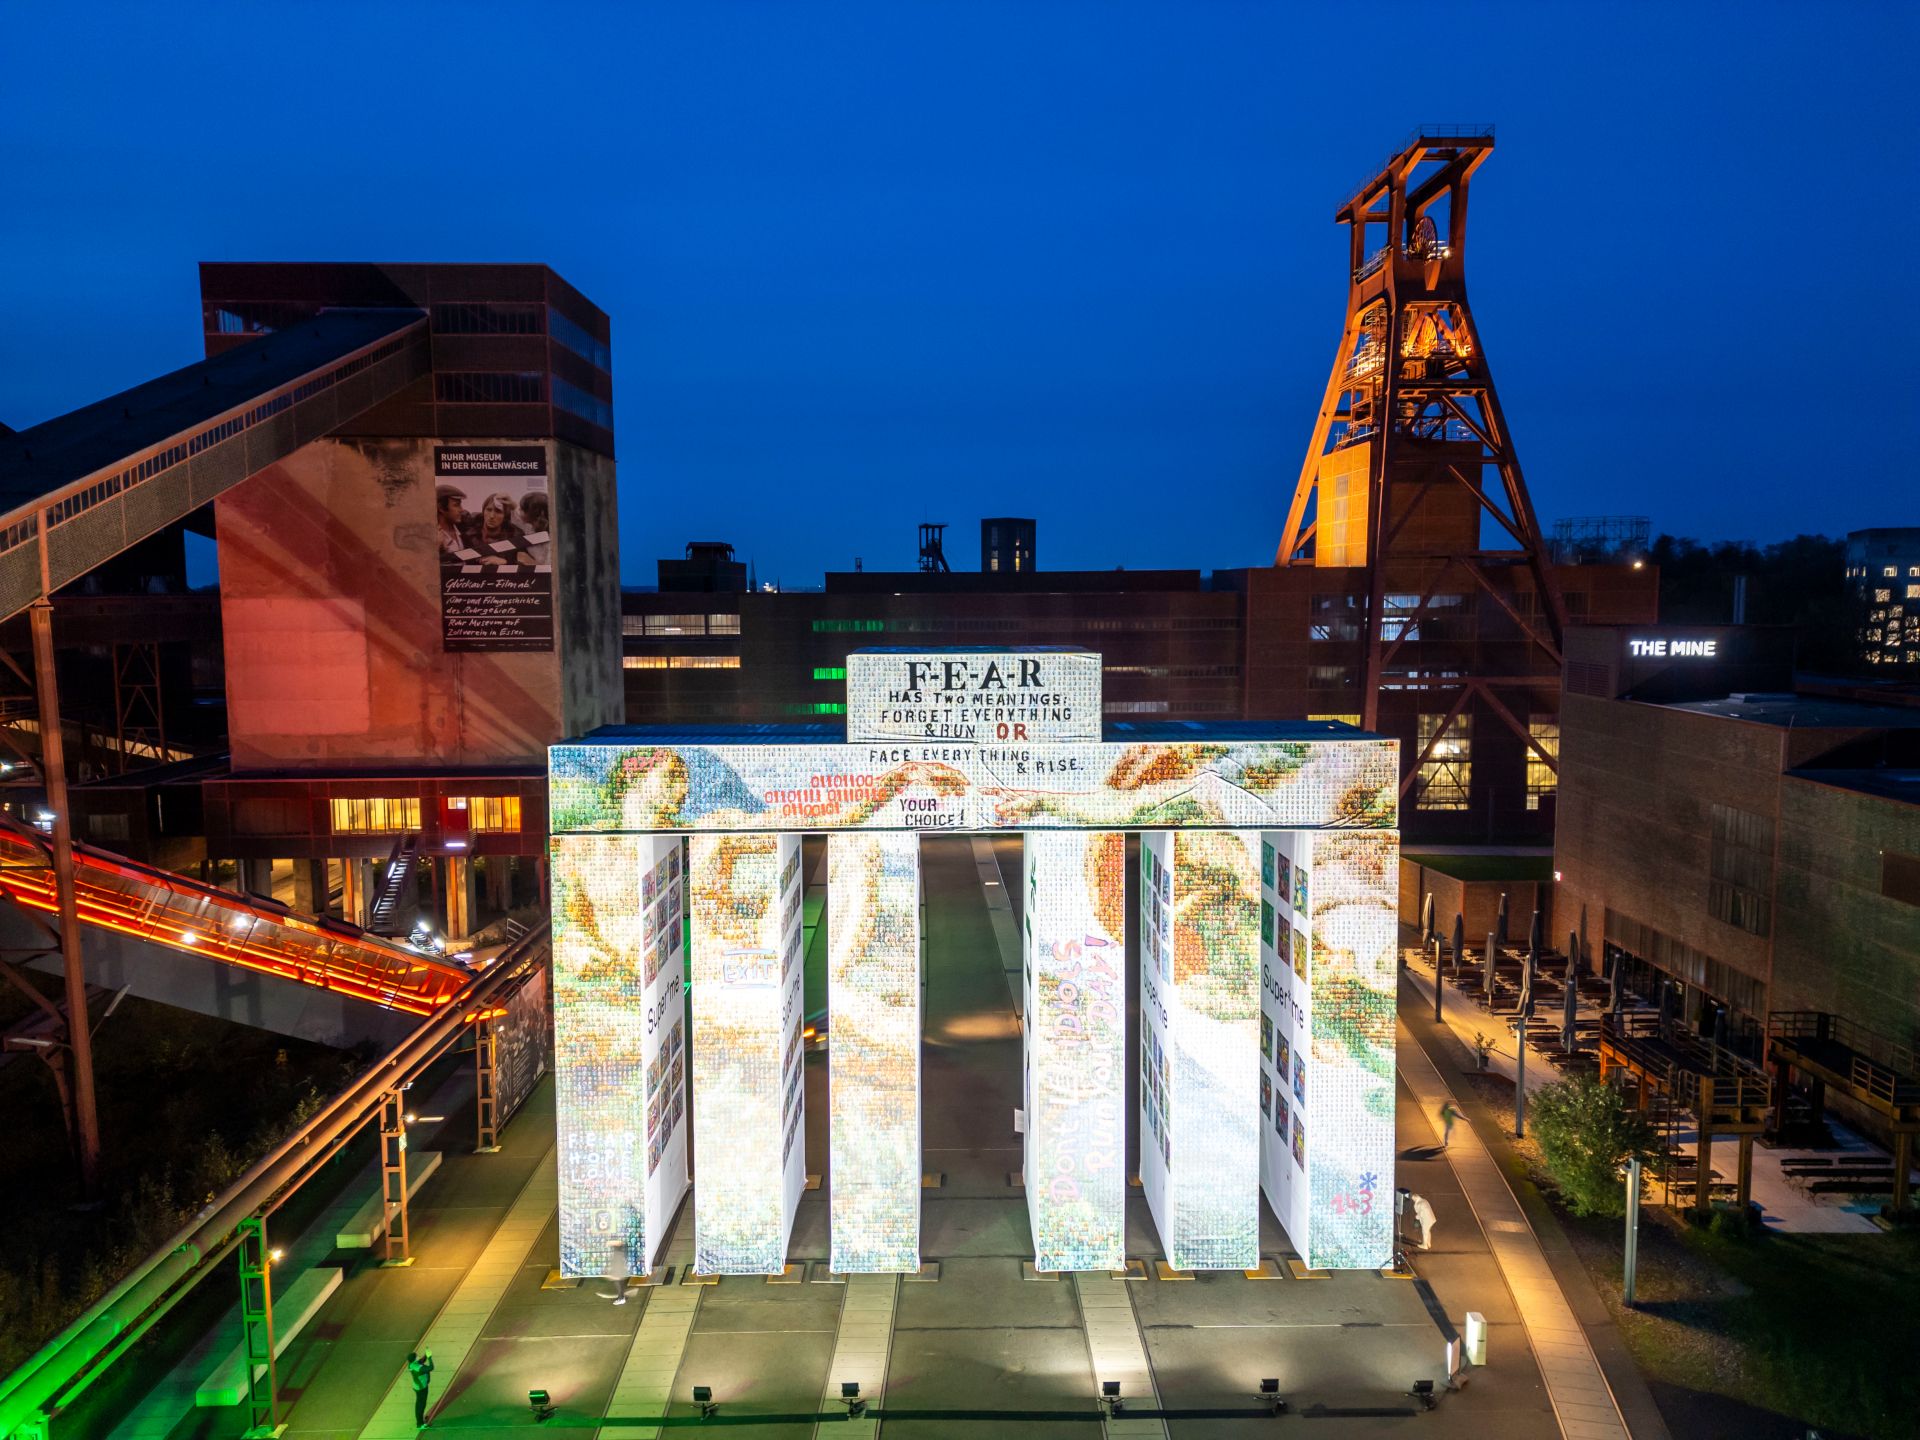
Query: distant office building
{"x": 1007, "y": 546}
{"x": 1742, "y": 846}
{"x": 709, "y": 567}
{"x": 1883, "y": 576}
{"x": 1272, "y": 643}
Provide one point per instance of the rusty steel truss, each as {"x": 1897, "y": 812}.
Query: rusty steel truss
{"x": 1412, "y": 460}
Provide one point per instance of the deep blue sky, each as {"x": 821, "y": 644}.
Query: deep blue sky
{"x": 873, "y": 264}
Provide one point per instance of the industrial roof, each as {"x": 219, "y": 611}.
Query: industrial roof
{"x": 1888, "y": 783}
{"x": 94, "y": 437}
{"x": 1816, "y": 712}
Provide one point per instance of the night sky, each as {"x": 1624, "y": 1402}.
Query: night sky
{"x": 874, "y": 264}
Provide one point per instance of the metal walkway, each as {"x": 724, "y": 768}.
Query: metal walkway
{"x": 79, "y": 489}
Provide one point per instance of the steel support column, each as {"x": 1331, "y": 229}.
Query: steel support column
{"x": 86, "y": 1115}
{"x": 486, "y": 1098}
{"x": 393, "y": 1175}
{"x": 256, "y": 1323}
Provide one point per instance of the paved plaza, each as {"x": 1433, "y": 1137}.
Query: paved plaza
{"x": 984, "y": 1348}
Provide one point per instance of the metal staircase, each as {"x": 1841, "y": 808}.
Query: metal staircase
{"x": 396, "y": 880}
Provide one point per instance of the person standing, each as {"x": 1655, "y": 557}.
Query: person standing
{"x": 420, "y": 1372}
{"x": 1449, "y": 1113}
{"x": 1423, "y": 1217}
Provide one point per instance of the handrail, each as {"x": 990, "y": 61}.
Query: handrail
{"x": 74, "y": 1358}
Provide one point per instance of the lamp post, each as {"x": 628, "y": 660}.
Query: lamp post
{"x": 1633, "y": 1229}
{"x": 1520, "y": 1077}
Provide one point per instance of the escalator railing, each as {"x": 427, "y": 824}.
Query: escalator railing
{"x": 224, "y": 927}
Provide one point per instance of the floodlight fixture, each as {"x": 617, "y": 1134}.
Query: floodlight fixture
{"x": 1110, "y": 1402}
{"x": 1423, "y": 1392}
{"x": 1270, "y": 1393}
{"x": 850, "y": 1397}
{"x": 541, "y": 1404}
{"x": 703, "y": 1397}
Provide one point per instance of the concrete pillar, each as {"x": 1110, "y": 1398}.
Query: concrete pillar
{"x": 457, "y": 912}
{"x": 1703, "y": 1181}
{"x": 358, "y": 890}
{"x": 1902, "y": 1163}
{"x": 1075, "y": 1147}
{"x": 310, "y": 886}
{"x": 873, "y": 999}
{"x": 1745, "y": 1181}
{"x": 748, "y": 1099}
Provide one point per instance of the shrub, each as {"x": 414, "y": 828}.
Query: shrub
{"x": 1586, "y": 1135}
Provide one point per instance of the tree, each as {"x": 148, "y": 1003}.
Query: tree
{"x": 1586, "y": 1135}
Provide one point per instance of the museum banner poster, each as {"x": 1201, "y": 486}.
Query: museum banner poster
{"x": 493, "y": 511}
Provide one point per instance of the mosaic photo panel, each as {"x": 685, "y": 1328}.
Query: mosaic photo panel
{"x": 1075, "y": 1142}
{"x": 873, "y": 1072}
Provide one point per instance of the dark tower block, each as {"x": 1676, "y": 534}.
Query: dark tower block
{"x": 1432, "y": 587}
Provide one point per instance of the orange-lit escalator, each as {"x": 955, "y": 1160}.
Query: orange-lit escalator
{"x": 226, "y": 928}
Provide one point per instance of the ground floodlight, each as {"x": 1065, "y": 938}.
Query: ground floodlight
{"x": 1110, "y": 1388}
{"x": 1270, "y": 1392}
{"x": 703, "y": 1397}
{"x": 1110, "y": 1400}
{"x": 1423, "y": 1392}
{"x": 850, "y": 1397}
{"x": 540, "y": 1403}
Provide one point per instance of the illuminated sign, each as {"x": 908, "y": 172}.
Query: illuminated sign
{"x": 1668, "y": 649}
{"x": 748, "y": 1096}
{"x": 998, "y": 696}
{"x": 618, "y": 1017}
{"x": 873, "y": 999}
{"x": 1076, "y": 1035}
{"x": 1200, "y": 1003}
{"x": 1236, "y": 783}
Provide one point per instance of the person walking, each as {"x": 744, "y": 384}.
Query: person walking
{"x": 1449, "y": 1113}
{"x": 1423, "y": 1217}
{"x": 420, "y": 1372}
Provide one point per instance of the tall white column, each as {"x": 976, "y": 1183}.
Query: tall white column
{"x": 748, "y": 1099}
{"x": 619, "y": 1046}
{"x": 873, "y": 1074}
{"x": 1200, "y": 1045}
{"x": 1076, "y": 1047}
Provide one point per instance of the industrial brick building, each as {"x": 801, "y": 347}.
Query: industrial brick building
{"x": 1745, "y": 847}
{"x": 392, "y": 688}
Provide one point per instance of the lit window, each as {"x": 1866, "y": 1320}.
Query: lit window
{"x": 723, "y": 624}
{"x": 1353, "y": 720}
{"x": 703, "y": 662}
{"x": 499, "y": 813}
{"x": 376, "y": 817}
{"x": 829, "y": 672}
{"x": 674, "y": 625}
{"x": 1913, "y": 592}
{"x": 1135, "y": 707}
{"x": 1542, "y": 780}
{"x": 1881, "y": 597}
{"x": 1446, "y": 775}
{"x": 643, "y": 662}
{"x": 1890, "y": 571}
{"x": 815, "y": 707}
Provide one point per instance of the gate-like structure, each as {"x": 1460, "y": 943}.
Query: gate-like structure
{"x": 1263, "y": 900}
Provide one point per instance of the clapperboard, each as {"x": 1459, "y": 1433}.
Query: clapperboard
{"x": 470, "y": 558}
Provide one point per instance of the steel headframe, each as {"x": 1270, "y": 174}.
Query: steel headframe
{"x": 1411, "y": 381}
